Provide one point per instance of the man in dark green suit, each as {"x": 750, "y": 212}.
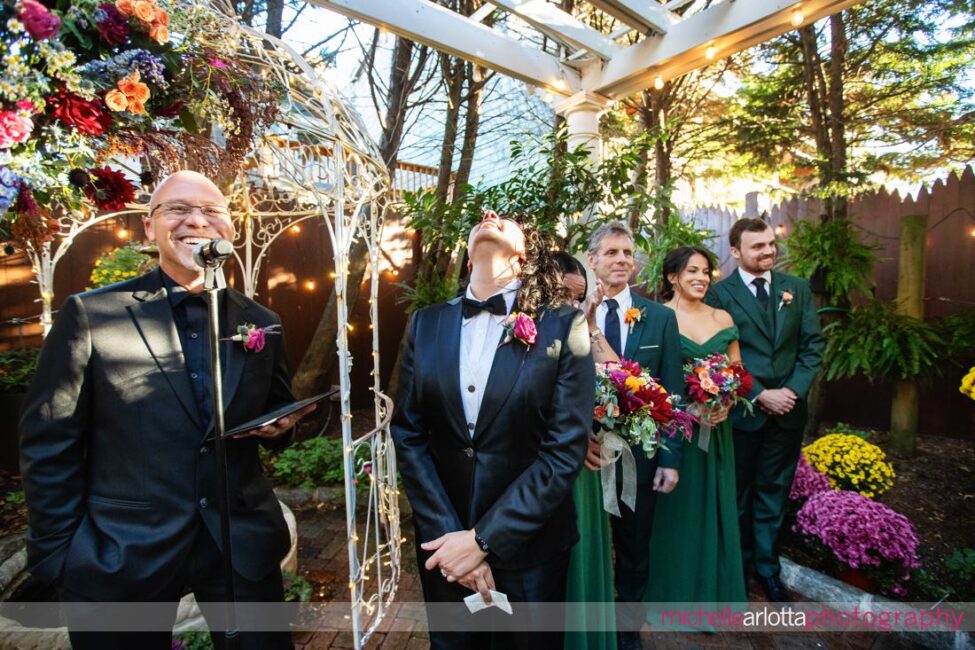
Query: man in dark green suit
{"x": 652, "y": 340}
{"x": 781, "y": 345}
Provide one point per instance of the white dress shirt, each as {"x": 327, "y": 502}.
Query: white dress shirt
{"x": 479, "y": 339}
{"x": 748, "y": 278}
{"x": 625, "y": 300}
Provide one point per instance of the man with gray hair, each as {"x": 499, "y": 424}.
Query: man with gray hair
{"x": 640, "y": 330}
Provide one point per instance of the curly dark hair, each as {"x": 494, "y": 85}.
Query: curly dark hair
{"x": 541, "y": 277}
{"x": 677, "y": 260}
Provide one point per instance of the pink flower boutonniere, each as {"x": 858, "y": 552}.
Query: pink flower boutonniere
{"x": 632, "y": 317}
{"x": 253, "y": 336}
{"x": 786, "y": 298}
{"x": 519, "y": 326}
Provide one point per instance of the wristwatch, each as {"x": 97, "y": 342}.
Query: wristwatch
{"x": 594, "y": 333}
{"x": 480, "y": 542}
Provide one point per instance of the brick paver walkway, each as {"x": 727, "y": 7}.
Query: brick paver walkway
{"x": 322, "y": 558}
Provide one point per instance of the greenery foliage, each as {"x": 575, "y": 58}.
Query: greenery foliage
{"x": 904, "y": 82}
{"x": 193, "y": 640}
{"x": 843, "y": 427}
{"x": 832, "y": 246}
{"x": 958, "y": 331}
{"x": 17, "y": 369}
{"x": 423, "y": 292}
{"x": 875, "y": 341}
{"x": 310, "y": 463}
{"x": 119, "y": 264}
{"x": 296, "y": 588}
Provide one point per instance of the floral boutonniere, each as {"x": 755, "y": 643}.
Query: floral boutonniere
{"x": 785, "y": 298}
{"x": 632, "y": 317}
{"x": 253, "y": 336}
{"x": 519, "y": 326}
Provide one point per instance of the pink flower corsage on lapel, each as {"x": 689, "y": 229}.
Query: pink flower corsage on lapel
{"x": 521, "y": 327}
{"x": 253, "y": 336}
{"x": 785, "y": 299}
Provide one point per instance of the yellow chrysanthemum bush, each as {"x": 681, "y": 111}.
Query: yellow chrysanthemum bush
{"x": 968, "y": 384}
{"x": 120, "y": 264}
{"x": 851, "y": 463}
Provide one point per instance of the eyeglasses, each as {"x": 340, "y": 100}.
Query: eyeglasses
{"x": 183, "y": 210}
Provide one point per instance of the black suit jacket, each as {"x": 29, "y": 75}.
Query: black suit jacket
{"x": 114, "y": 456}
{"x": 512, "y": 480}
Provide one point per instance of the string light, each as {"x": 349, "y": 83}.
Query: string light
{"x": 547, "y": 98}
{"x": 658, "y": 83}
{"x": 710, "y": 53}
{"x": 309, "y": 285}
{"x": 295, "y": 229}
{"x": 797, "y": 18}
{"x": 331, "y": 275}
{"x": 560, "y": 84}
{"x": 972, "y": 232}
{"x": 122, "y": 233}
{"x": 780, "y": 230}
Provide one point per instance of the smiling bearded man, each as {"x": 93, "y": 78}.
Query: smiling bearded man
{"x": 116, "y": 442}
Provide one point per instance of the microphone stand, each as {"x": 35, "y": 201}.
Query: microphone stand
{"x": 213, "y": 281}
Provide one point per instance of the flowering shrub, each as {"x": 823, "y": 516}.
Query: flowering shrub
{"x": 861, "y": 533}
{"x": 808, "y": 481}
{"x": 967, "y": 387}
{"x": 88, "y": 82}
{"x": 119, "y": 264}
{"x": 851, "y": 463}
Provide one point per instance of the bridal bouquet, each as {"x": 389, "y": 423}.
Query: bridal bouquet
{"x": 632, "y": 408}
{"x": 714, "y": 384}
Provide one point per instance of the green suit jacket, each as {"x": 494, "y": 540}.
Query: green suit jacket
{"x": 654, "y": 343}
{"x": 784, "y": 354}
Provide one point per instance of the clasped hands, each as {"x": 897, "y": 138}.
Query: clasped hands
{"x": 777, "y": 401}
{"x": 460, "y": 559}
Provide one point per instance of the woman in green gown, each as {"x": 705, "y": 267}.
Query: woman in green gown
{"x": 698, "y": 521}
{"x": 590, "y": 576}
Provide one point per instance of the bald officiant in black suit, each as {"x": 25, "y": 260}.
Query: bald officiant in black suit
{"x": 116, "y": 440}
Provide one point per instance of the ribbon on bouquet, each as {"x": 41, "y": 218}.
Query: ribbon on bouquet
{"x": 612, "y": 448}
{"x": 704, "y": 416}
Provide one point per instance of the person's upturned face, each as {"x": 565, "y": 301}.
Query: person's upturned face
{"x": 576, "y": 284}
{"x": 613, "y": 262}
{"x": 504, "y": 234}
{"x": 757, "y": 252}
{"x": 693, "y": 282}
{"x": 187, "y": 210}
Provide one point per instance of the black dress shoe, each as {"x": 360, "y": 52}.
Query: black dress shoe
{"x": 628, "y": 641}
{"x": 774, "y": 589}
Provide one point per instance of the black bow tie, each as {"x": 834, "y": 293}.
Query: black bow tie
{"x": 493, "y": 305}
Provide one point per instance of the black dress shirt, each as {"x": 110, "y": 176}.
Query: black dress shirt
{"x": 190, "y": 312}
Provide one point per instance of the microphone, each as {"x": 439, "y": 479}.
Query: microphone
{"x": 212, "y": 253}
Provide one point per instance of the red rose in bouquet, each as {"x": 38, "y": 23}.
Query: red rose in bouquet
{"x": 88, "y": 116}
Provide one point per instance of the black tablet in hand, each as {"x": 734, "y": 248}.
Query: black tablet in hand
{"x": 277, "y": 414}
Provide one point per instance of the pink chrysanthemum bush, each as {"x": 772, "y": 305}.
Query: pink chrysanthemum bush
{"x": 861, "y": 533}
{"x": 808, "y": 481}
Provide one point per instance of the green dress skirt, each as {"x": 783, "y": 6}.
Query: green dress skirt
{"x": 590, "y": 578}
{"x": 695, "y": 550}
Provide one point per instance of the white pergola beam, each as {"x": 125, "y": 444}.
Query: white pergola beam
{"x": 560, "y": 25}
{"x": 729, "y": 27}
{"x": 430, "y": 24}
{"x": 641, "y": 15}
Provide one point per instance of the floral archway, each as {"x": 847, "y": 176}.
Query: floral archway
{"x": 100, "y": 98}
